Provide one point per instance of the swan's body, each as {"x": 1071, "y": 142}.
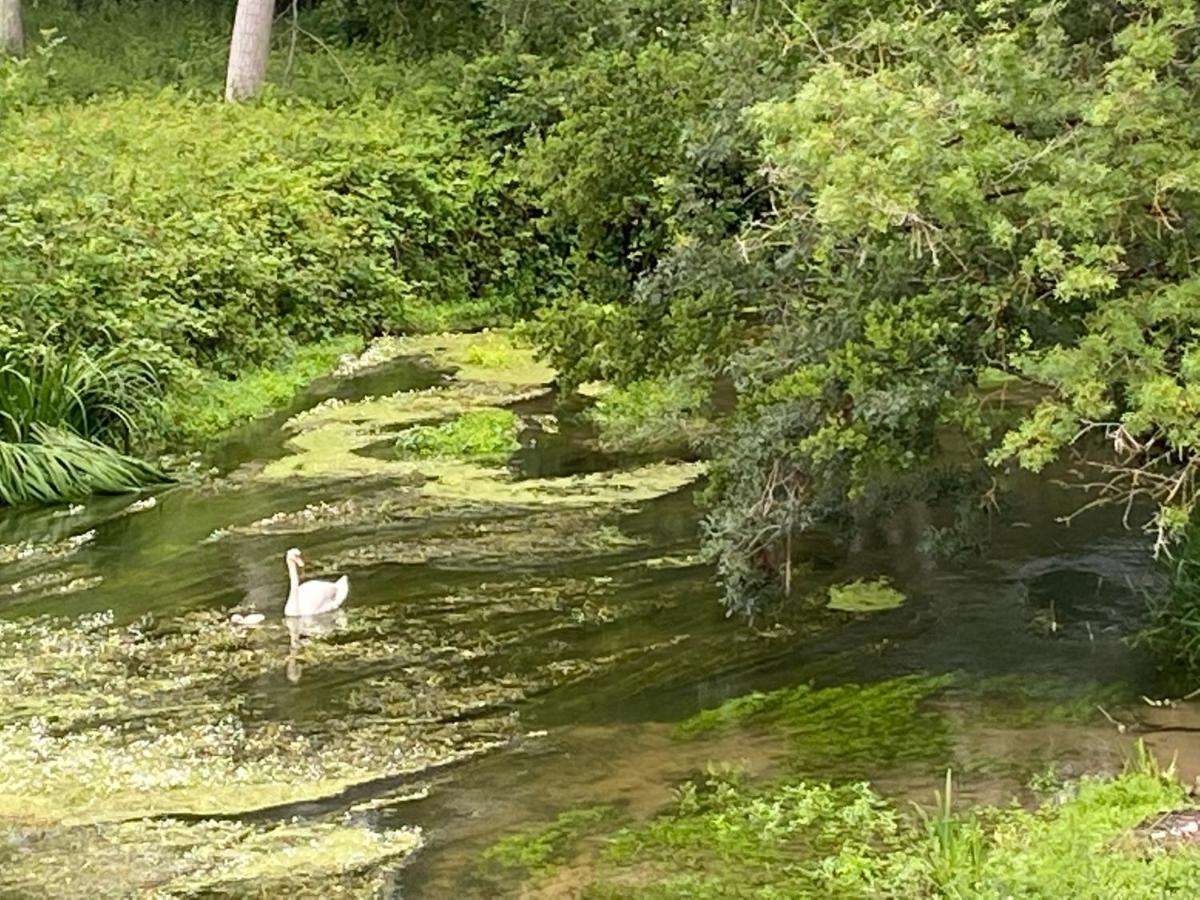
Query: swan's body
{"x": 312, "y": 598}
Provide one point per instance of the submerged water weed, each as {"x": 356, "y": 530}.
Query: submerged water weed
{"x": 1023, "y": 701}
{"x": 865, "y": 596}
{"x": 539, "y": 849}
{"x": 378, "y": 414}
{"x": 488, "y": 434}
{"x": 490, "y": 372}
{"x": 330, "y": 443}
{"x": 379, "y": 351}
{"x": 486, "y": 356}
{"x": 41, "y": 551}
{"x": 375, "y": 508}
{"x": 328, "y": 440}
{"x": 849, "y": 729}
{"x": 483, "y": 356}
{"x": 64, "y": 581}
{"x": 169, "y": 858}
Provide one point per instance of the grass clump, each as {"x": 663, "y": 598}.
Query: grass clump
{"x": 110, "y": 397}
{"x": 63, "y": 413}
{"x": 1174, "y": 629}
{"x": 209, "y": 405}
{"x": 478, "y": 434}
{"x": 652, "y": 415}
{"x": 851, "y": 729}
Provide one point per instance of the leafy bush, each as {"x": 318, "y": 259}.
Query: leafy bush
{"x": 219, "y": 232}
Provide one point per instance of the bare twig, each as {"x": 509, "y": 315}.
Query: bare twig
{"x": 1121, "y": 727}
{"x": 337, "y": 62}
{"x": 287, "y": 72}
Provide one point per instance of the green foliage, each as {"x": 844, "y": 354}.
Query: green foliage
{"x": 594, "y": 170}
{"x": 950, "y": 193}
{"x": 788, "y": 840}
{"x": 956, "y": 845}
{"x": 207, "y": 405}
{"x": 54, "y": 465}
{"x": 849, "y": 208}
{"x": 723, "y": 838}
{"x": 477, "y": 434}
{"x": 1174, "y": 628}
{"x": 1069, "y": 851}
{"x": 136, "y": 218}
{"x": 108, "y": 397}
{"x": 655, "y": 414}
{"x": 59, "y": 411}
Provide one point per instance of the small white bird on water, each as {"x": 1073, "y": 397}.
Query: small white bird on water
{"x": 311, "y": 598}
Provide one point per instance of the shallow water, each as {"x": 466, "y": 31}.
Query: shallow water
{"x": 578, "y": 655}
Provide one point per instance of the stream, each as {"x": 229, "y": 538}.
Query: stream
{"x": 529, "y": 657}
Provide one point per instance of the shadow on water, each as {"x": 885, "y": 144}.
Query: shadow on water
{"x": 605, "y": 647}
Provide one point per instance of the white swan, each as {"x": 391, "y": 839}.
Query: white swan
{"x": 311, "y": 598}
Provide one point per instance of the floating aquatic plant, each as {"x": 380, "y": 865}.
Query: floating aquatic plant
{"x": 168, "y": 858}
{"x": 865, "y": 596}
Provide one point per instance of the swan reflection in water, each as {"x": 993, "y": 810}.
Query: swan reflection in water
{"x": 303, "y": 628}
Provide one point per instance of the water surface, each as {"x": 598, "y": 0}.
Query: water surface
{"x": 579, "y": 655}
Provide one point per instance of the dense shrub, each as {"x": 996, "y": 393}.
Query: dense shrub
{"x": 216, "y": 232}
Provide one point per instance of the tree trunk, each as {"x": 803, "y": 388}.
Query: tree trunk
{"x": 12, "y": 34}
{"x": 249, "y": 48}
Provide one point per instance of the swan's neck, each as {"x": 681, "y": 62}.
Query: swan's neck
{"x": 293, "y": 584}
